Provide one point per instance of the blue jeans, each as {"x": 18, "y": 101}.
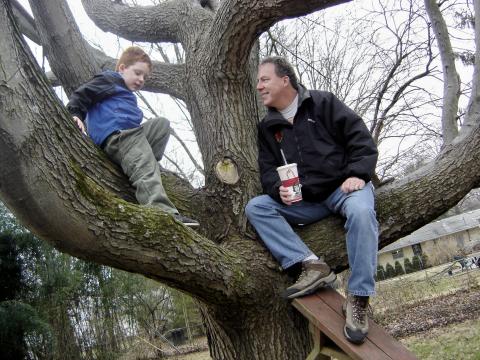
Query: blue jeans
{"x": 272, "y": 222}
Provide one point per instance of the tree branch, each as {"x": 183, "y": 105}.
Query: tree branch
{"x": 71, "y": 58}
{"x": 473, "y": 112}
{"x": 247, "y": 20}
{"x": 25, "y": 22}
{"x": 451, "y": 79}
{"x": 168, "y": 21}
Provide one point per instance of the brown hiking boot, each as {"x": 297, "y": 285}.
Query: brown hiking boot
{"x": 315, "y": 274}
{"x": 356, "y": 319}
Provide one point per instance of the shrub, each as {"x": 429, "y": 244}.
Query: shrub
{"x": 399, "y": 269}
{"x": 408, "y": 266}
{"x": 389, "y": 271}
{"x": 417, "y": 263}
{"x": 380, "y": 274}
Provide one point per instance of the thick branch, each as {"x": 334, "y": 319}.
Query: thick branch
{"x": 473, "y": 114}
{"x": 168, "y": 21}
{"x": 451, "y": 80}
{"x": 25, "y": 22}
{"x": 247, "y": 20}
{"x": 71, "y": 58}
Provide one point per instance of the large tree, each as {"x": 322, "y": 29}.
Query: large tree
{"x": 67, "y": 192}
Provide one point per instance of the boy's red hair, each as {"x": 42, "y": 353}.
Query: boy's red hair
{"x": 133, "y": 54}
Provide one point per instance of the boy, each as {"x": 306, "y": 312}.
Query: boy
{"x": 112, "y": 118}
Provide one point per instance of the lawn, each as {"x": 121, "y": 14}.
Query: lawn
{"x": 203, "y": 355}
{"x": 452, "y": 342}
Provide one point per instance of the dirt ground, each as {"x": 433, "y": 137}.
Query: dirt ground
{"x": 433, "y": 313}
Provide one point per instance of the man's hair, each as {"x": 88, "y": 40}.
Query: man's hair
{"x": 131, "y": 55}
{"x": 282, "y": 68}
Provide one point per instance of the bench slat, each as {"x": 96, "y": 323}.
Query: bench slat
{"x": 324, "y": 310}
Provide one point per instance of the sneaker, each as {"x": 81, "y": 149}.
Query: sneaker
{"x": 186, "y": 220}
{"x": 356, "y": 319}
{"x": 315, "y": 274}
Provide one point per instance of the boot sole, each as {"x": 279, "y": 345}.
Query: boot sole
{"x": 328, "y": 280}
{"x": 358, "y": 341}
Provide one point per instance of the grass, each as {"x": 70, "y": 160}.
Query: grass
{"x": 460, "y": 341}
{"x": 422, "y": 285}
{"x": 203, "y": 355}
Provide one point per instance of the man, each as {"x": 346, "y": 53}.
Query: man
{"x": 336, "y": 157}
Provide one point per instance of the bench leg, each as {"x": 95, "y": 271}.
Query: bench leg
{"x": 316, "y": 354}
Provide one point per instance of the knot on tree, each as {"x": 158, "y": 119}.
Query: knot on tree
{"x": 227, "y": 171}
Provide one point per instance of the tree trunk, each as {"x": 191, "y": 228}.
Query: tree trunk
{"x": 262, "y": 332}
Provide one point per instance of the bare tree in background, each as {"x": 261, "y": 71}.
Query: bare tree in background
{"x": 65, "y": 190}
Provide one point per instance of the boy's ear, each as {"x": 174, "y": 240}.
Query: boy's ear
{"x": 121, "y": 67}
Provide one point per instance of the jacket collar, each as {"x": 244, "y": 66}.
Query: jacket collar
{"x": 117, "y": 78}
{"x": 273, "y": 116}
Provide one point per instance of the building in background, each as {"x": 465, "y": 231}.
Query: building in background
{"x": 440, "y": 241}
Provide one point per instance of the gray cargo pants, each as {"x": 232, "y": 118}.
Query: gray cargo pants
{"x": 138, "y": 151}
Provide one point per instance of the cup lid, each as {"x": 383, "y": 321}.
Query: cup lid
{"x": 286, "y": 166}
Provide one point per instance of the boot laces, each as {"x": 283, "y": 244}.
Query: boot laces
{"x": 302, "y": 274}
{"x": 359, "y": 309}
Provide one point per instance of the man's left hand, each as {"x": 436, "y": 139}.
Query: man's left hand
{"x": 352, "y": 184}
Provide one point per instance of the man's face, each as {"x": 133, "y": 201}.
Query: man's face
{"x": 271, "y": 87}
{"x": 134, "y": 75}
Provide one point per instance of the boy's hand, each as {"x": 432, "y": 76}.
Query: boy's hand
{"x": 80, "y": 124}
{"x": 285, "y": 195}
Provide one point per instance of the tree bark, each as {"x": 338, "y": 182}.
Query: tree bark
{"x": 67, "y": 192}
{"x": 451, "y": 79}
{"x": 473, "y": 112}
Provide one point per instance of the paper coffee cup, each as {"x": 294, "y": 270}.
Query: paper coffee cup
{"x": 289, "y": 177}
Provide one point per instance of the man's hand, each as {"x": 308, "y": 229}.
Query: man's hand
{"x": 80, "y": 124}
{"x": 352, "y": 184}
{"x": 285, "y": 194}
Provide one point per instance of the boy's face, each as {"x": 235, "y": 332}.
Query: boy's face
{"x": 134, "y": 75}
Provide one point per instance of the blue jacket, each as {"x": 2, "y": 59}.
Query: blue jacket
{"x": 106, "y": 105}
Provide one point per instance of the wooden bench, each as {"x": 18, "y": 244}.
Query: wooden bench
{"x": 324, "y": 312}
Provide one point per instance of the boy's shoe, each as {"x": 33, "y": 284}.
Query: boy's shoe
{"x": 186, "y": 220}
{"x": 315, "y": 274}
{"x": 356, "y": 319}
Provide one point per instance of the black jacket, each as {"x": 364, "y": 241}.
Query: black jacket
{"x": 327, "y": 140}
